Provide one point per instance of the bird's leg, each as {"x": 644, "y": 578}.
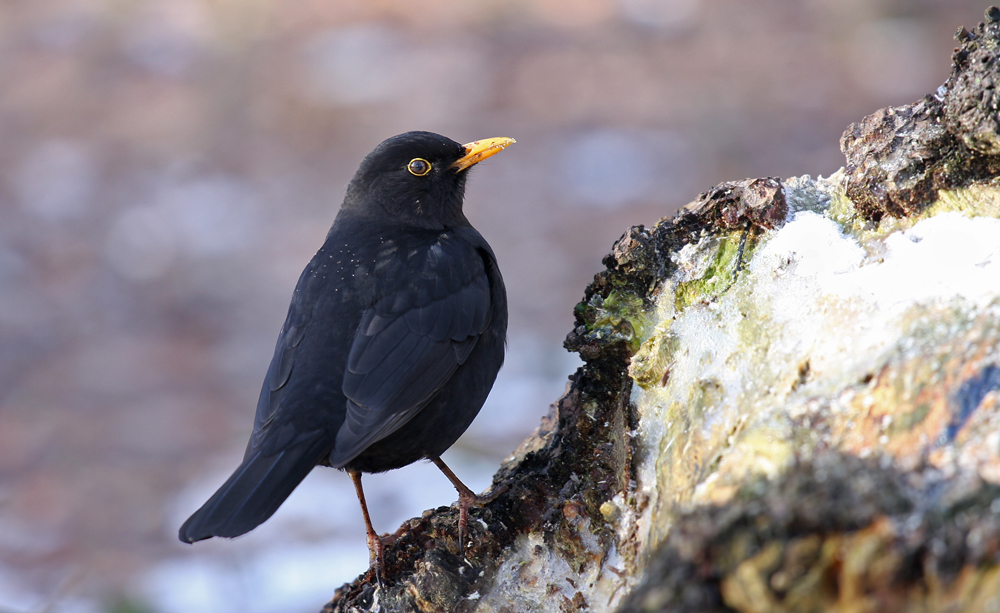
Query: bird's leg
{"x": 376, "y": 551}
{"x": 466, "y": 499}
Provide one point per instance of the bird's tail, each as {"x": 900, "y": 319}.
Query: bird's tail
{"x": 255, "y": 491}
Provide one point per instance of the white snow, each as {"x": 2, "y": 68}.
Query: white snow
{"x": 948, "y": 255}
{"x": 813, "y": 293}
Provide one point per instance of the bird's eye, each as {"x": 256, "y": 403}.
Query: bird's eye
{"x": 419, "y": 167}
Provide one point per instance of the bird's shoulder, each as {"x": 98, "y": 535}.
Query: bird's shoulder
{"x": 370, "y": 261}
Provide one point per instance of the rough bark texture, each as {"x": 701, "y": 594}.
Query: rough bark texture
{"x": 897, "y": 158}
{"x": 748, "y": 433}
{"x": 835, "y": 533}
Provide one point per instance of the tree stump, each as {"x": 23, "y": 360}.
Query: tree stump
{"x": 790, "y": 399}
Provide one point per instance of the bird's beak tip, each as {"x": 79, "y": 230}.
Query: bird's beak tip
{"x": 479, "y": 150}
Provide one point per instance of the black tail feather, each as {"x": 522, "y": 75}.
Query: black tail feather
{"x": 255, "y": 491}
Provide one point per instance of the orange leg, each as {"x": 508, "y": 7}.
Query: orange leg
{"x": 466, "y": 499}
{"x": 375, "y": 546}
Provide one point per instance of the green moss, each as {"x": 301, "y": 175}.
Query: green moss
{"x": 974, "y": 200}
{"x": 628, "y": 306}
{"x": 650, "y": 363}
{"x": 619, "y": 316}
{"x": 622, "y": 317}
{"x": 842, "y": 211}
{"x": 720, "y": 274}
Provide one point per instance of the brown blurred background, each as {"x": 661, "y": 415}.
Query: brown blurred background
{"x": 167, "y": 167}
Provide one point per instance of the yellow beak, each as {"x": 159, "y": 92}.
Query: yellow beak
{"x": 479, "y": 150}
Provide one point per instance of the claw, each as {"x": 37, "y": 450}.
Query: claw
{"x": 466, "y": 500}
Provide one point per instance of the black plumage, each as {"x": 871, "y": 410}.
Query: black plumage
{"x": 392, "y": 341}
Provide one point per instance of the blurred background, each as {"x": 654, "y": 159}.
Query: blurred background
{"x": 167, "y": 167}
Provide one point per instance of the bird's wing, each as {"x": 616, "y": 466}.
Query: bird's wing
{"x": 410, "y": 343}
{"x": 281, "y": 451}
{"x": 280, "y": 371}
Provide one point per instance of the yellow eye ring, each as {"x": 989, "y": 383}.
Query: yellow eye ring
{"x": 418, "y": 167}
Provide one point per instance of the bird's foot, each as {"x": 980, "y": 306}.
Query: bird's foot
{"x": 466, "y": 500}
{"x": 376, "y": 547}
{"x": 376, "y": 557}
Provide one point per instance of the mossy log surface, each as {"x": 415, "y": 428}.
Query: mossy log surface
{"x": 790, "y": 399}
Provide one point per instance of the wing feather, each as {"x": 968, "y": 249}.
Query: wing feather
{"x": 409, "y": 344}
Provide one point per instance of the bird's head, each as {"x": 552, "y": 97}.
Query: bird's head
{"x": 417, "y": 178}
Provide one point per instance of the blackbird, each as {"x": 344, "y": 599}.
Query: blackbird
{"x": 392, "y": 341}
